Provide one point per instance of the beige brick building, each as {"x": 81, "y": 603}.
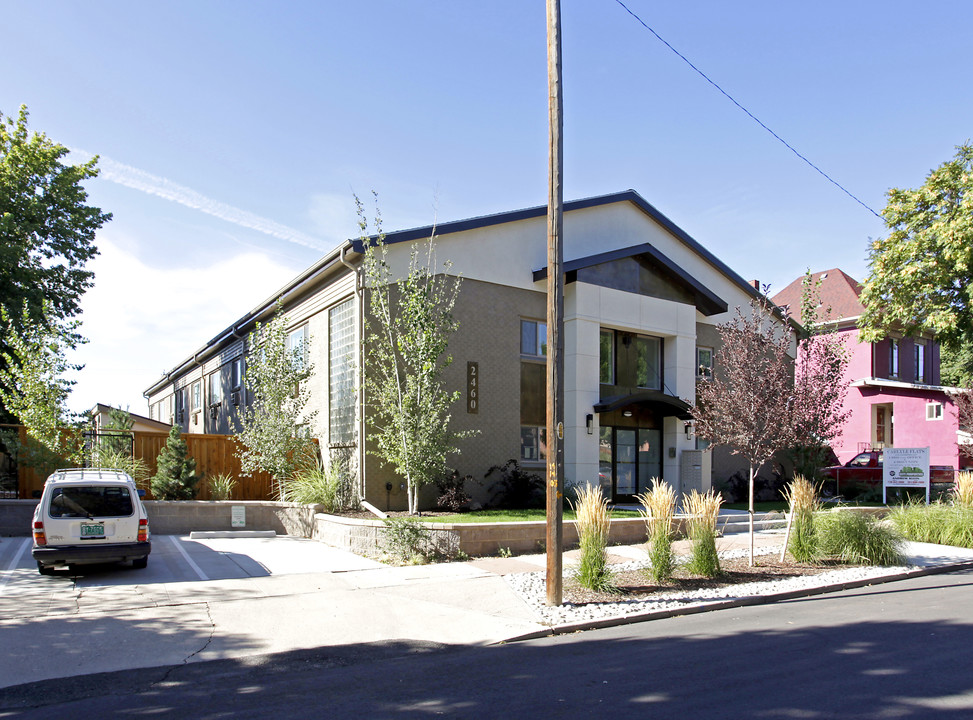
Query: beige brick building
{"x": 642, "y": 302}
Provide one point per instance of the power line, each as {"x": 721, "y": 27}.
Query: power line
{"x": 749, "y": 114}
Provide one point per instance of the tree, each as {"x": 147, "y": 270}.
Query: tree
{"x": 175, "y": 477}
{"x": 956, "y": 365}
{"x": 748, "y": 402}
{"x": 921, "y": 276}
{"x": 32, "y": 380}
{"x": 820, "y": 385}
{"x": 47, "y": 231}
{"x": 406, "y": 341}
{"x": 964, "y": 416}
{"x": 275, "y": 435}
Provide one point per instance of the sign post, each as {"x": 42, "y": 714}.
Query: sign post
{"x": 905, "y": 467}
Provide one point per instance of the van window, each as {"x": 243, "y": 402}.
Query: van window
{"x": 91, "y": 501}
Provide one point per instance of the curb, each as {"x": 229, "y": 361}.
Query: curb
{"x": 619, "y": 620}
{"x": 205, "y": 534}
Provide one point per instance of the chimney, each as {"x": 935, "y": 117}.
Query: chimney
{"x": 756, "y": 284}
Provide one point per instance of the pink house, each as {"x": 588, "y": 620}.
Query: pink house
{"x": 894, "y": 394}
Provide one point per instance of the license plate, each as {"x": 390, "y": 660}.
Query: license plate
{"x": 89, "y": 530}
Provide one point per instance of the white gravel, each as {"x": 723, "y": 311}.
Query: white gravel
{"x": 531, "y": 587}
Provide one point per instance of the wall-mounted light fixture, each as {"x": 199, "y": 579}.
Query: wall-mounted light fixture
{"x": 688, "y": 429}
{"x": 589, "y": 423}
{"x": 627, "y": 413}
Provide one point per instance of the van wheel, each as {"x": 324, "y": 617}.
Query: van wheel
{"x": 139, "y": 563}
{"x": 45, "y": 569}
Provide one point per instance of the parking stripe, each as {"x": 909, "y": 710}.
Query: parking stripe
{"x": 182, "y": 551}
{"x": 13, "y": 563}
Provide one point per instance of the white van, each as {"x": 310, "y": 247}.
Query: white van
{"x": 90, "y": 515}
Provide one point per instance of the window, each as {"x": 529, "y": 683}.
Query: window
{"x": 341, "y": 374}
{"x": 533, "y": 443}
{"x": 893, "y": 358}
{"x": 606, "y": 353}
{"x": 196, "y": 395}
{"x": 704, "y": 362}
{"x": 934, "y": 411}
{"x": 215, "y": 388}
{"x": 533, "y": 338}
{"x": 297, "y": 346}
{"x": 920, "y": 361}
{"x": 236, "y": 373}
{"x": 630, "y": 360}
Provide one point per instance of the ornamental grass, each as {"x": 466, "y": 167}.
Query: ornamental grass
{"x": 937, "y": 523}
{"x": 593, "y": 523}
{"x": 855, "y": 537}
{"x": 802, "y": 496}
{"x": 660, "y": 508}
{"x": 703, "y": 510}
{"x": 963, "y": 489}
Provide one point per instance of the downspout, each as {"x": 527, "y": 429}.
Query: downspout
{"x": 359, "y": 296}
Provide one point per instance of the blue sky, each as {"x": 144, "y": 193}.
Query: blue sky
{"x": 233, "y": 133}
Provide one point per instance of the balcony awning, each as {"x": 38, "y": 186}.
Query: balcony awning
{"x": 657, "y": 400}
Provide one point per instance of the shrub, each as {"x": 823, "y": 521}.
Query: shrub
{"x": 221, "y": 486}
{"x": 937, "y": 523}
{"x": 317, "y": 484}
{"x": 452, "y": 493}
{"x": 517, "y": 488}
{"x": 855, "y": 537}
{"x": 406, "y": 541}
{"x": 802, "y": 496}
{"x": 660, "y": 507}
{"x": 176, "y": 477}
{"x": 962, "y": 493}
{"x": 594, "y": 524}
{"x": 704, "y": 512}
{"x": 107, "y": 456}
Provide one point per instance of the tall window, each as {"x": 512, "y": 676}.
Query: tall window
{"x": 215, "y": 391}
{"x": 297, "y": 346}
{"x": 236, "y": 373}
{"x": 197, "y": 395}
{"x": 341, "y": 373}
{"x": 533, "y": 391}
{"x": 704, "y": 362}
{"x": 920, "y": 361}
{"x": 606, "y": 354}
{"x": 893, "y": 358}
{"x": 533, "y": 338}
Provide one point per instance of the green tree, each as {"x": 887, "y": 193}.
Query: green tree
{"x": 408, "y": 325}
{"x": 47, "y": 232}
{"x": 276, "y": 430}
{"x": 175, "y": 477}
{"x": 956, "y": 365}
{"x": 921, "y": 276}
{"x": 33, "y": 385}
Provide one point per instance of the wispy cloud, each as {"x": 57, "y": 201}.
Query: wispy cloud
{"x": 136, "y": 179}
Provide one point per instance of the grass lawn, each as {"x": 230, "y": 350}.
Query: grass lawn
{"x": 496, "y": 516}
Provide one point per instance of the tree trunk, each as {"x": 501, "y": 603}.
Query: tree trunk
{"x": 750, "y": 513}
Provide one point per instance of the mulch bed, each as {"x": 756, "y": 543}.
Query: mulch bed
{"x": 633, "y": 585}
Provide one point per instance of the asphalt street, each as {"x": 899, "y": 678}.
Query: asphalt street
{"x": 899, "y": 650}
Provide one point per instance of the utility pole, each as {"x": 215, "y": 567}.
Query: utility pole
{"x": 555, "y": 312}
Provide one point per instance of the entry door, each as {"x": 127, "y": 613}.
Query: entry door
{"x": 633, "y": 457}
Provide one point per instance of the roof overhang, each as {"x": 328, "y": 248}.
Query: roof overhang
{"x": 707, "y": 302}
{"x": 667, "y": 405}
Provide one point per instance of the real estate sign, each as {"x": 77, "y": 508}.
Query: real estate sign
{"x": 905, "y": 467}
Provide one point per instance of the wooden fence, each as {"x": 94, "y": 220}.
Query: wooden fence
{"x": 214, "y": 455}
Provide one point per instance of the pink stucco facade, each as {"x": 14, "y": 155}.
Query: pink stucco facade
{"x": 897, "y": 403}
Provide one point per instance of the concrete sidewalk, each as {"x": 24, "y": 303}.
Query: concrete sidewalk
{"x": 138, "y": 626}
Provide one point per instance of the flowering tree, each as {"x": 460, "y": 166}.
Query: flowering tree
{"x": 964, "y": 414}
{"x": 748, "y": 402}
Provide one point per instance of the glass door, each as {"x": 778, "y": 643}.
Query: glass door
{"x": 628, "y": 460}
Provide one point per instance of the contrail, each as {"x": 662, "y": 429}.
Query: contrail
{"x": 150, "y": 184}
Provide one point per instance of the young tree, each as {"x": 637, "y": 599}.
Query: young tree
{"x": 820, "y": 385}
{"x": 276, "y": 431}
{"x": 748, "y": 402}
{"x": 921, "y": 275}
{"x": 406, "y": 341}
{"x": 33, "y": 385}
{"x": 47, "y": 233}
{"x": 175, "y": 477}
{"x": 964, "y": 415}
